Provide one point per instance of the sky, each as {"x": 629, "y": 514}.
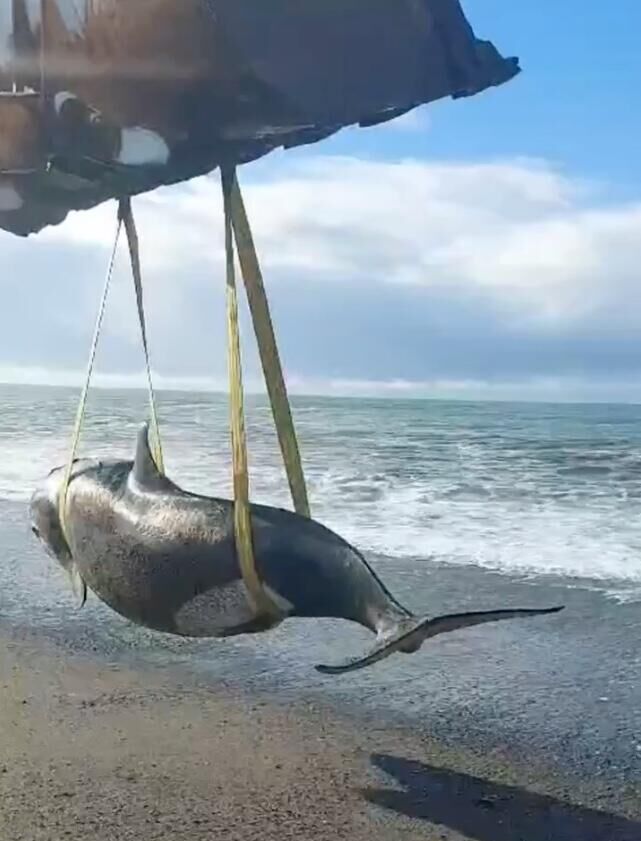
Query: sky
{"x": 487, "y": 248}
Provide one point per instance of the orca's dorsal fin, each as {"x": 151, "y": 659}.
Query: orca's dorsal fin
{"x": 145, "y": 471}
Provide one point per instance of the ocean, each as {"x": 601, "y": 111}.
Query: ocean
{"x": 458, "y": 506}
{"x": 516, "y": 488}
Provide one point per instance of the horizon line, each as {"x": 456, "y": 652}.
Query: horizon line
{"x": 390, "y": 395}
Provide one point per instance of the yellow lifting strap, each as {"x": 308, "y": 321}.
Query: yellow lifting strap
{"x": 125, "y": 213}
{"x": 267, "y": 347}
{"x": 126, "y": 217}
{"x": 82, "y": 405}
{"x": 237, "y": 225}
{"x": 261, "y": 602}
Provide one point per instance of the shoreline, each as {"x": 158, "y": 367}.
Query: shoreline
{"x": 154, "y": 753}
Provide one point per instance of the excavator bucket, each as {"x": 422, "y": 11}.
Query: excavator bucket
{"x": 106, "y": 98}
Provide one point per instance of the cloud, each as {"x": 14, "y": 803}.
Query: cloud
{"x": 475, "y": 273}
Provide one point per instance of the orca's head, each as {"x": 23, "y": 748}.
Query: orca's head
{"x": 45, "y": 518}
{"x": 46, "y": 525}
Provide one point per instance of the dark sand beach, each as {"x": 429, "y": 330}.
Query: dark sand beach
{"x": 104, "y": 751}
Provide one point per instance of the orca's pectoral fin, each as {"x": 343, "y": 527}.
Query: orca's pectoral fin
{"x": 412, "y": 635}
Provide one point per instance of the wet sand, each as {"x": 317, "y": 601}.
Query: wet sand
{"x": 106, "y": 751}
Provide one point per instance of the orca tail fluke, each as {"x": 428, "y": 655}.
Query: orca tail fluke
{"x": 410, "y": 634}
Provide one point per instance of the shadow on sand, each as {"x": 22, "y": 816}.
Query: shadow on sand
{"x": 487, "y": 811}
